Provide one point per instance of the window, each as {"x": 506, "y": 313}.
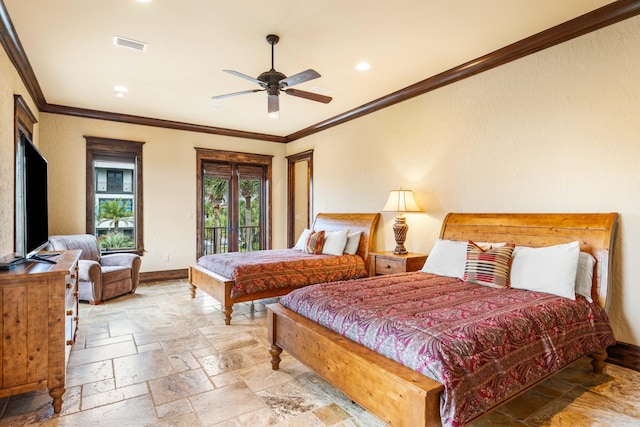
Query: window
{"x": 114, "y": 194}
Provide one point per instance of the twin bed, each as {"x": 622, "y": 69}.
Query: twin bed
{"x": 248, "y": 276}
{"x": 460, "y": 348}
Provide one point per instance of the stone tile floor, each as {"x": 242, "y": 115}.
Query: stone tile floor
{"x": 160, "y": 358}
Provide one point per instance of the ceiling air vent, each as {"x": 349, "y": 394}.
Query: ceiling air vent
{"x": 131, "y": 44}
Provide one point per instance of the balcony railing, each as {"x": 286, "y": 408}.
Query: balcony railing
{"x": 215, "y": 240}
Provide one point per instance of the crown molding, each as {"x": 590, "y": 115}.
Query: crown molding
{"x": 148, "y": 121}
{"x": 592, "y": 21}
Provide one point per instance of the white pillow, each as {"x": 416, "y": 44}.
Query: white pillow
{"x": 334, "y": 242}
{"x": 550, "y": 269}
{"x": 353, "y": 242}
{"x": 584, "y": 276}
{"x": 447, "y": 258}
{"x": 302, "y": 240}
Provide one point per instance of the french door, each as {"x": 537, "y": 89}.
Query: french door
{"x": 233, "y": 205}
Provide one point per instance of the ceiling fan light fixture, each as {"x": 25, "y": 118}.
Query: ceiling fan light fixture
{"x": 274, "y": 115}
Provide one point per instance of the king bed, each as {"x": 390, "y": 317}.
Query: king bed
{"x": 248, "y": 276}
{"x": 440, "y": 349}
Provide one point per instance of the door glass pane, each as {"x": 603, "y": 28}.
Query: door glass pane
{"x": 249, "y": 208}
{"x": 216, "y": 215}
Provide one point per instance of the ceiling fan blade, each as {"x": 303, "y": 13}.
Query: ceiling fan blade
{"x": 244, "y": 76}
{"x": 273, "y": 104}
{"x": 309, "y": 95}
{"x": 302, "y": 77}
{"x": 237, "y": 93}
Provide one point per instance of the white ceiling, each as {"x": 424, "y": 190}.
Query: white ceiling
{"x": 69, "y": 45}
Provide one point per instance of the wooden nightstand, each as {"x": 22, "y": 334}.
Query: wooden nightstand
{"x": 389, "y": 263}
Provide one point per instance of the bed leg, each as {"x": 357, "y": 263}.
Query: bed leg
{"x": 227, "y": 314}
{"x": 275, "y": 356}
{"x": 597, "y": 360}
{"x": 192, "y": 289}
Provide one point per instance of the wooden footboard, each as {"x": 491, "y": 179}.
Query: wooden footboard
{"x": 214, "y": 285}
{"x": 393, "y": 392}
{"x": 219, "y": 287}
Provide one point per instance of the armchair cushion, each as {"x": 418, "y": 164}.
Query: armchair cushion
{"x": 100, "y": 277}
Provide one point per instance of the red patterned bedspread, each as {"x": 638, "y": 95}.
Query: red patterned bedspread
{"x": 482, "y": 344}
{"x": 259, "y": 271}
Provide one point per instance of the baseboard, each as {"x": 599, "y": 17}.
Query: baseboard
{"x": 156, "y": 276}
{"x": 623, "y": 354}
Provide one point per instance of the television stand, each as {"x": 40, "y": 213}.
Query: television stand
{"x": 40, "y": 318}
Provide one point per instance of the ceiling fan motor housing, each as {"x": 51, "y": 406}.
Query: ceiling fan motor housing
{"x": 271, "y": 79}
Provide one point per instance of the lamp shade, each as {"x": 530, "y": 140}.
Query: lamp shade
{"x": 401, "y": 201}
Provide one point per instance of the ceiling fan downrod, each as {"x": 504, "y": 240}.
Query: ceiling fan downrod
{"x": 273, "y": 40}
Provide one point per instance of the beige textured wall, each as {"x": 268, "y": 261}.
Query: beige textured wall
{"x": 10, "y": 85}
{"x": 169, "y": 180}
{"x": 558, "y": 131}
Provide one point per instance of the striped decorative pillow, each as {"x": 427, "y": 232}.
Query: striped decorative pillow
{"x": 488, "y": 268}
{"x": 315, "y": 241}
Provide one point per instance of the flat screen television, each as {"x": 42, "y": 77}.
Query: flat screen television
{"x": 32, "y": 216}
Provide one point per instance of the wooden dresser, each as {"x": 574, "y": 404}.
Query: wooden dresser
{"x": 39, "y": 303}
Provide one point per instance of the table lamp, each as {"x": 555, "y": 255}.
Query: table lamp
{"x": 401, "y": 201}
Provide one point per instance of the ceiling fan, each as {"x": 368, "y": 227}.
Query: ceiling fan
{"x": 274, "y": 82}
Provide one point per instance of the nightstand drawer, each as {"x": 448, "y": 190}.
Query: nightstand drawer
{"x": 390, "y": 265}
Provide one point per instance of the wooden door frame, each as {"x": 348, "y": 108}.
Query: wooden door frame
{"x": 305, "y": 156}
{"x": 210, "y": 155}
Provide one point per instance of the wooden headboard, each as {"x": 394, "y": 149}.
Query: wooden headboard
{"x": 366, "y": 223}
{"x": 595, "y": 232}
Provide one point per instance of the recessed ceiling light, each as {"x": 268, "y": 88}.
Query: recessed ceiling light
{"x": 144, "y": 1}
{"x": 120, "y": 91}
{"x": 216, "y": 105}
{"x": 363, "y": 66}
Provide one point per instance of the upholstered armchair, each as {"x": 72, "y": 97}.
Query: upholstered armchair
{"x": 100, "y": 277}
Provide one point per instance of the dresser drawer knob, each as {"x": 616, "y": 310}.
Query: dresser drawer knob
{"x": 75, "y": 319}
{"x": 69, "y": 312}
{"x": 69, "y": 285}
{"x": 69, "y": 342}
{"x": 73, "y": 276}
{"x": 75, "y": 294}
